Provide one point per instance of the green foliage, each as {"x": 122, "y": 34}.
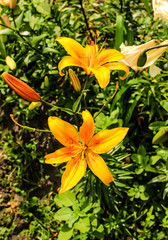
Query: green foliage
{"x": 134, "y": 206}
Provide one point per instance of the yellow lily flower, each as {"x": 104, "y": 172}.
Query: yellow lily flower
{"x": 82, "y": 149}
{"x": 132, "y": 53}
{"x": 160, "y": 8}
{"x": 91, "y": 59}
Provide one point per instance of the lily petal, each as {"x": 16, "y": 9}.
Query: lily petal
{"x": 75, "y": 170}
{"x": 99, "y": 167}
{"x": 154, "y": 70}
{"x": 102, "y": 75}
{"x": 68, "y": 62}
{"x": 59, "y": 156}
{"x": 87, "y": 129}
{"x": 117, "y": 66}
{"x": 106, "y": 140}
{"x": 108, "y": 55}
{"x": 64, "y": 132}
{"x": 74, "y": 48}
{"x": 153, "y": 55}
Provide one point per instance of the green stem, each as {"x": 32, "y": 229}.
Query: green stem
{"x": 13, "y": 16}
{"x": 86, "y": 21}
{"x": 81, "y": 95}
{"x": 18, "y": 33}
{"x": 56, "y": 107}
{"x": 28, "y": 128}
{"x": 107, "y": 102}
{"x": 79, "y": 100}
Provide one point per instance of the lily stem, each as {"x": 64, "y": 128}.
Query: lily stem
{"x": 18, "y": 33}
{"x": 56, "y": 107}
{"x": 86, "y": 21}
{"x": 28, "y": 128}
{"x": 107, "y": 102}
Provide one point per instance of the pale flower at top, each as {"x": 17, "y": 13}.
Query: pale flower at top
{"x": 132, "y": 53}
{"x": 160, "y": 8}
{"x": 92, "y": 59}
{"x": 9, "y": 3}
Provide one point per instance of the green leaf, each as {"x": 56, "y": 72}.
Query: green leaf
{"x": 164, "y": 104}
{"x": 44, "y": 8}
{"x": 37, "y": 39}
{"x": 63, "y": 214}
{"x": 6, "y": 31}
{"x": 138, "y": 171}
{"x": 119, "y": 31}
{"x": 161, "y": 136}
{"x": 137, "y": 158}
{"x": 155, "y": 126}
{"x": 2, "y": 50}
{"x": 142, "y": 150}
{"x": 66, "y": 199}
{"x": 159, "y": 178}
{"x": 83, "y": 225}
{"x": 19, "y": 20}
{"x": 125, "y": 88}
{"x": 33, "y": 21}
{"x": 144, "y": 196}
{"x": 65, "y": 233}
{"x": 131, "y": 108}
{"x": 154, "y": 159}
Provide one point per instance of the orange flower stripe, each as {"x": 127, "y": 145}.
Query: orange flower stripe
{"x": 82, "y": 149}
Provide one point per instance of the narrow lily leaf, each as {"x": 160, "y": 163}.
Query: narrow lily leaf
{"x": 19, "y": 20}
{"x": 161, "y": 136}
{"x": 124, "y": 89}
{"x": 2, "y": 49}
{"x": 6, "y": 31}
{"x": 131, "y": 109}
{"x": 119, "y": 31}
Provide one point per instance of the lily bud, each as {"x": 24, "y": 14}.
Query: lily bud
{"x": 21, "y": 88}
{"x": 6, "y": 20}
{"x": 9, "y": 3}
{"x": 46, "y": 81}
{"x": 75, "y": 80}
{"x": 10, "y": 62}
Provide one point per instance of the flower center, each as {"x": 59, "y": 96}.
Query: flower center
{"x": 83, "y": 147}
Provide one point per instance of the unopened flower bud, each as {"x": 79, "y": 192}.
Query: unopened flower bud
{"x": 6, "y": 20}
{"x": 21, "y": 88}
{"x": 46, "y": 81}
{"x": 9, "y": 3}
{"x": 75, "y": 80}
{"x": 10, "y": 62}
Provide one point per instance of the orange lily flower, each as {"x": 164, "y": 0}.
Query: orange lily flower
{"x": 21, "y": 88}
{"x": 82, "y": 149}
{"x": 92, "y": 59}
